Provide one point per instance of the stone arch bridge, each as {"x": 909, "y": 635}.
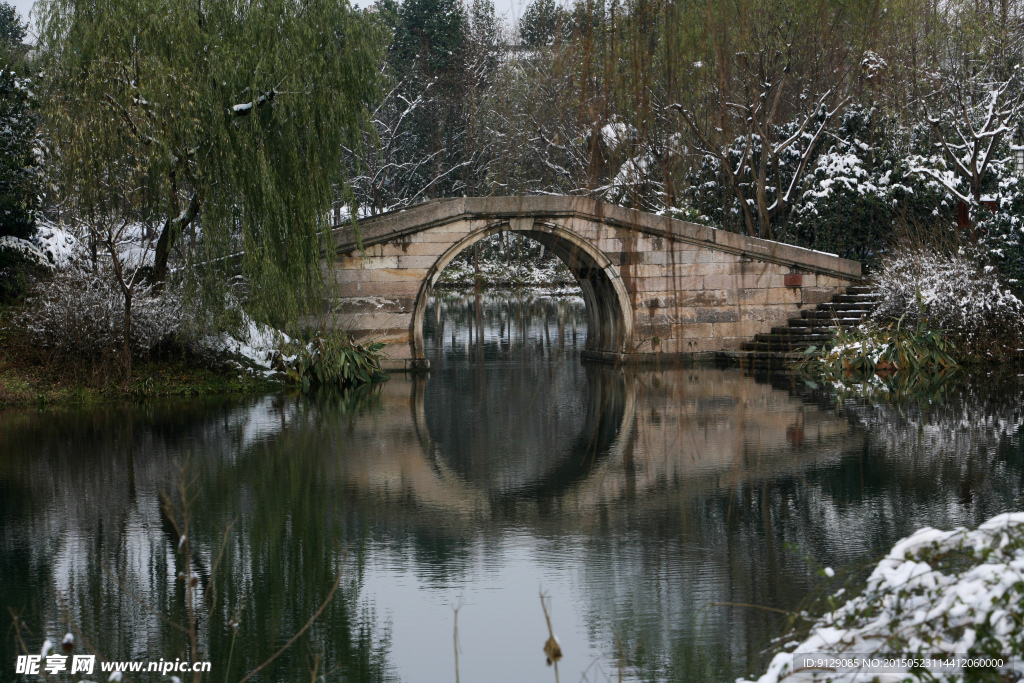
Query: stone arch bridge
{"x": 655, "y": 288}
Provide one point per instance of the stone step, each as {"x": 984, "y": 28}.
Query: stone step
{"x": 818, "y": 314}
{"x": 815, "y": 326}
{"x": 774, "y": 347}
{"x": 862, "y": 305}
{"x": 823, "y": 322}
{"x": 819, "y": 331}
{"x": 806, "y": 339}
{"x": 854, "y": 306}
{"x": 786, "y": 342}
{"x": 760, "y": 359}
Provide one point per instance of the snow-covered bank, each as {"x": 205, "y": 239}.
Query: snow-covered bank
{"x": 551, "y": 273}
{"x": 254, "y": 344}
{"x": 949, "y": 594}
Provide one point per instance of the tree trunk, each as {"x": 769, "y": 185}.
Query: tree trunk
{"x": 172, "y": 228}
{"x": 127, "y": 336}
{"x": 163, "y": 249}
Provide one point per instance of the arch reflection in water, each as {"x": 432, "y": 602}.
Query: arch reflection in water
{"x": 521, "y": 430}
{"x": 636, "y": 532}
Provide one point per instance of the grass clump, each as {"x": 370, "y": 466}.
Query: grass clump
{"x": 884, "y": 349}
{"x": 333, "y": 359}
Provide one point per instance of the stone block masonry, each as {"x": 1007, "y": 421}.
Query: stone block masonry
{"x": 655, "y": 288}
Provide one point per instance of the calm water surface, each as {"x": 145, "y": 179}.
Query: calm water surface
{"x": 659, "y": 509}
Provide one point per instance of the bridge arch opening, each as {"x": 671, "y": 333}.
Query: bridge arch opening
{"x": 608, "y": 309}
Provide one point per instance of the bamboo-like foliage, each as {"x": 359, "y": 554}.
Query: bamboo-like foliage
{"x": 227, "y": 117}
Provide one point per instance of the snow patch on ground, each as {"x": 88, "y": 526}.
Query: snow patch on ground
{"x": 256, "y": 343}
{"x": 58, "y": 246}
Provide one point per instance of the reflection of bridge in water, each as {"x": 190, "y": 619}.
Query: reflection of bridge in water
{"x": 582, "y": 438}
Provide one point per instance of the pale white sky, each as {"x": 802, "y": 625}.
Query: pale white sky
{"x": 22, "y": 6}
{"x": 509, "y": 10}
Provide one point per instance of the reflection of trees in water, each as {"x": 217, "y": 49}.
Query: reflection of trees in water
{"x": 502, "y": 324}
{"x": 82, "y": 528}
{"x": 955, "y": 460}
{"x": 744, "y": 540}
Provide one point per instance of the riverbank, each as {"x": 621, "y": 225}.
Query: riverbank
{"x": 31, "y": 376}
{"x": 26, "y": 382}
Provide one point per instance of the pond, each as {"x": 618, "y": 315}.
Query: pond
{"x": 670, "y": 515}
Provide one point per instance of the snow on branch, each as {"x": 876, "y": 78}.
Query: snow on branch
{"x": 968, "y": 135}
{"x": 246, "y": 108}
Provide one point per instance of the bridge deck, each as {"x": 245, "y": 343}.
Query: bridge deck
{"x": 394, "y": 225}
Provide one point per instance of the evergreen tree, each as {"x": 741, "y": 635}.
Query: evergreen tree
{"x": 430, "y": 39}
{"x": 543, "y": 22}
{"x": 12, "y": 31}
{"x": 431, "y": 51}
{"x": 19, "y": 163}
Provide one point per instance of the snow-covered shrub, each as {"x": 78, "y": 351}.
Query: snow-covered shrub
{"x": 855, "y": 190}
{"x": 954, "y": 294}
{"x": 874, "y": 179}
{"x": 81, "y": 311}
{"x": 937, "y": 594}
{"x": 1001, "y": 242}
{"x": 57, "y": 245}
{"x": 19, "y": 249}
{"x": 859, "y": 189}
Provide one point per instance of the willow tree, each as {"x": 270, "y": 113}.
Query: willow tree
{"x": 236, "y": 111}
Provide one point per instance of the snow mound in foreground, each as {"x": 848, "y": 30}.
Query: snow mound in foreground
{"x": 937, "y": 593}
{"x": 58, "y": 246}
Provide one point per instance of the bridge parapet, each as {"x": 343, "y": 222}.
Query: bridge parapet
{"x": 654, "y": 286}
